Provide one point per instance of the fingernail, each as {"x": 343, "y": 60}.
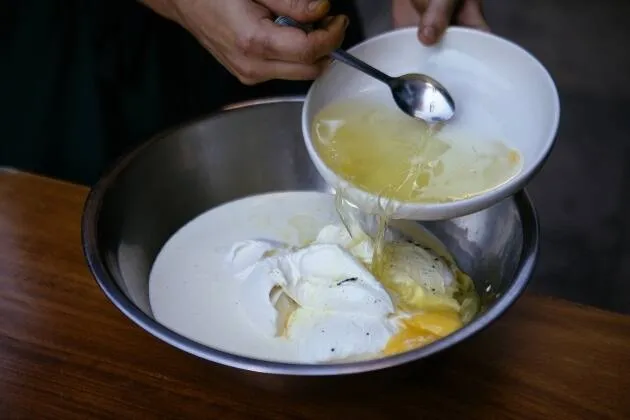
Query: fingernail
{"x": 315, "y": 5}
{"x": 429, "y": 33}
{"x": 346, "y": 22}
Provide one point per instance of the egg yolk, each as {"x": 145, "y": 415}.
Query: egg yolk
{"x": 412, "y": 296}
{"x": 421, "y": 329}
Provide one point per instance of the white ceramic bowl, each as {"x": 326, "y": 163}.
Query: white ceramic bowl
{"x": 500, "y": 90}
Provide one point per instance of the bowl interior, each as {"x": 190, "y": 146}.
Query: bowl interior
{"x": 501, "y": 92}
{"x": 254, "y": 149}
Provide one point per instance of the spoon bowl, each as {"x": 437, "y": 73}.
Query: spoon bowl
{"x": 422, "y": 97}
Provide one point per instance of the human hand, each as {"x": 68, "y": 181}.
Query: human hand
{"x": 241, "y": 35}
{"x": 433, "y": 16}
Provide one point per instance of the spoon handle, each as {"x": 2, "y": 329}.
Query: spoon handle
{"x": 339, "y": 54}
{"x": 351, "y": 60}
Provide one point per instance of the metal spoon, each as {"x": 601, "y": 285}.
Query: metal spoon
{"x": 416, "y": 94}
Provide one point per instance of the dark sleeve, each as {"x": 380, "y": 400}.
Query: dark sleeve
{"x": 85, "y": 81}
{"x": 49, "y": 108}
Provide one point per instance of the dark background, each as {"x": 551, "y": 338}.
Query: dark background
{"x": 583, "y": 193}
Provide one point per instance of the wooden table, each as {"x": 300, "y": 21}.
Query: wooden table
{"x": 66, "y": 352}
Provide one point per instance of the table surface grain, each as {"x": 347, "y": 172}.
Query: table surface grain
{"x": 66, "y": 352}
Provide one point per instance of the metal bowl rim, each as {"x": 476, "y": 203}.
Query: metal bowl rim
{"x": 110, "y": 288}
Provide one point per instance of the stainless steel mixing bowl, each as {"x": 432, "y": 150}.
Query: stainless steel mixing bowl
{"x": 254, "y": 148}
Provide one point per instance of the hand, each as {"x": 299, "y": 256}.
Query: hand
{"x": 433, "y": 16}
{"x": 241, "y": 35}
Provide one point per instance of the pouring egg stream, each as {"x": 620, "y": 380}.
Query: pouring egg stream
{"x": 394, "y": 157}
{"x": 432, "y": 297}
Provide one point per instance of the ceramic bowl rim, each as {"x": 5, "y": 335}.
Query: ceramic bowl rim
{"x": 433, "y": 211}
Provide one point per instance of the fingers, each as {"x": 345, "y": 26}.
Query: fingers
{"x": 266, "y": 50}
{"x": 242, "y": 36}
{"x": 295, "y": 71}
{"x": 294, "y": 45}
{"x": 404, "y": 13}
{"x": 300, "y": 10}
{"x": 258, "y": 71}
{"x": 471, "y": 15}
{"x": 436, "y": 16}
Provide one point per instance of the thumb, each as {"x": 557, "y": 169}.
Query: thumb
{"x": 304, "y": 11}
{"x": 471, "y": 15}
{"x": 406, "y": 13}
{"x": 435, "y": 20}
